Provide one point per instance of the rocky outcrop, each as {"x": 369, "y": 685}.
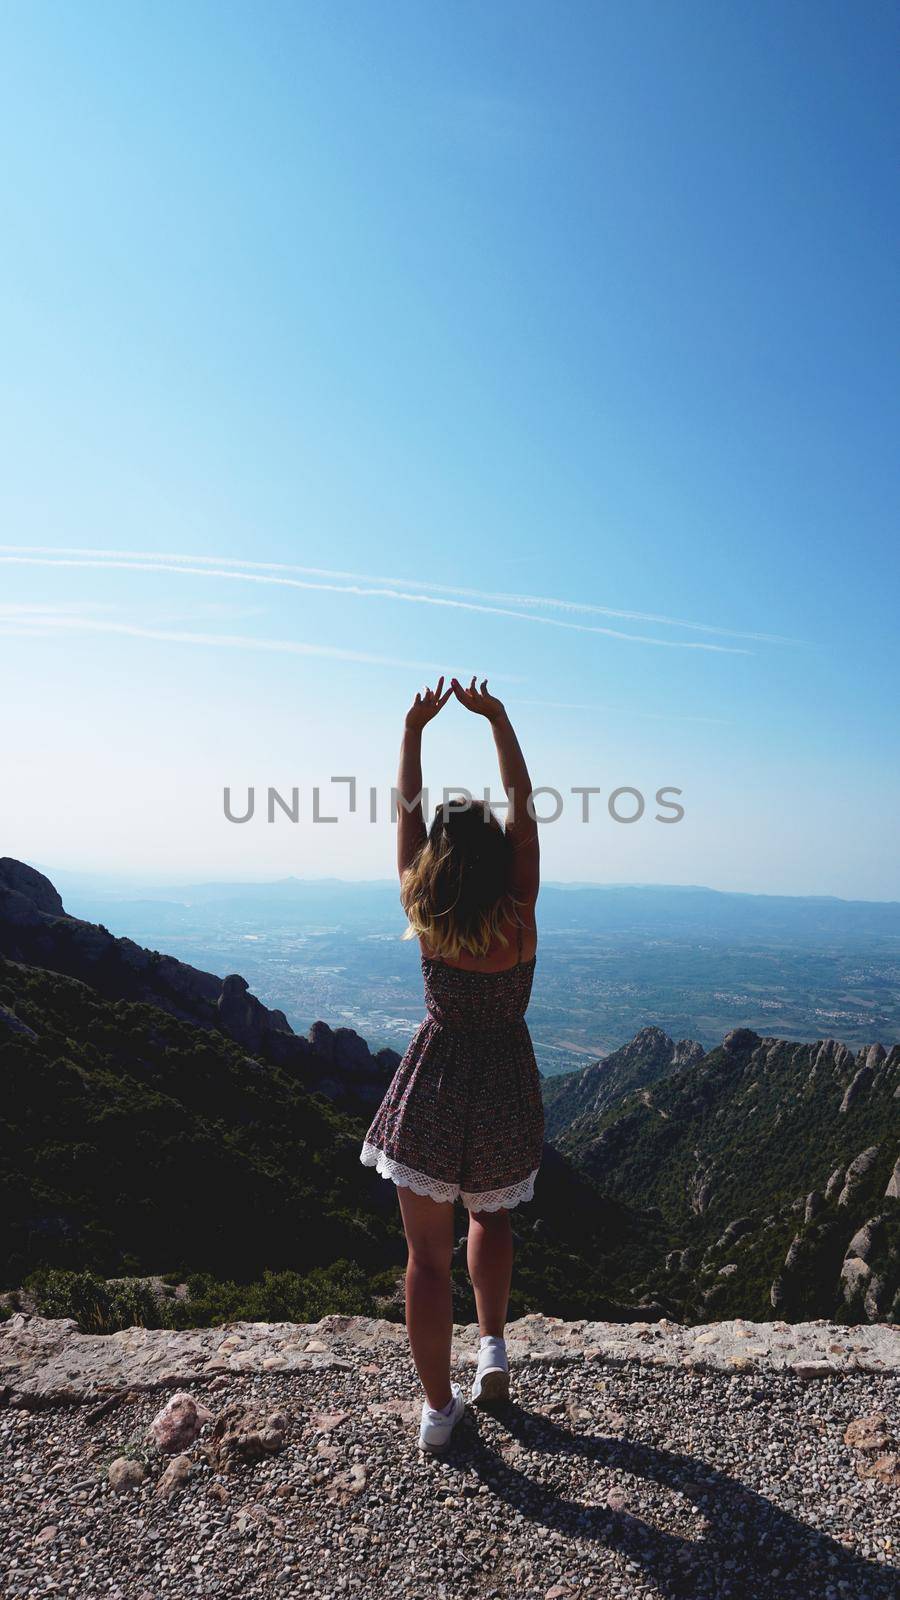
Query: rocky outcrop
{"x": 864, "y": 1241}
{"x": 739, "y": 1041}
{"x": 25, "y": 891}
{"x": 859, "y": 1277}
{"x": 246, "y": 1019}
{"x": 835, "y": 1182}
{"x": 813, "y": 1205}
{"x": 857, "y": 1172}
{"x": 589, "y": 1091}
{"x": 860, "y": 1082}
{"x": 352, "y": 1064}
{"x": 735, "y": 1231}
{"x": 740, "y": 1122}
{"x": 35, "y": 930}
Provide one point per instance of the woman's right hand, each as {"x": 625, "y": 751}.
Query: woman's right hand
{"x": 426, "y": 705}
{"x": 478, "y": 700}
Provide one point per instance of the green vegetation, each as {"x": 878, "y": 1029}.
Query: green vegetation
{"x": 749, "y": 1132}
{"x": 101, "y": 1307}
{"x": 133, "y": 1144}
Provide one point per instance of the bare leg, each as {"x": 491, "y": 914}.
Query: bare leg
{"x": 490, "y": 1262}
{"x": 428, "y": 1225}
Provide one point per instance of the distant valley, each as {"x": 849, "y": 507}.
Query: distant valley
{"x": 612, "y": 960}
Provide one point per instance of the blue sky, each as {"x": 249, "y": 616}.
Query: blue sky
{"x": 593, "y": 307}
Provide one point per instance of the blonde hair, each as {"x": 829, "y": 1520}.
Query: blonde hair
{"x": 456, "y": 891}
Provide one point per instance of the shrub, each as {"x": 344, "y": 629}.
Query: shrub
{"x": 97, "y": 1306}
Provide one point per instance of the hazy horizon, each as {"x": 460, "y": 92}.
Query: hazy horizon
{"x": 133, "y": 879}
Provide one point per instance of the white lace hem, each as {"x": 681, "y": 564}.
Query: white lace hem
{"x": 407, "y": 1177}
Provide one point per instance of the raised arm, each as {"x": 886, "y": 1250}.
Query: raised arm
{"x": 410, "y": 822}
{"x": 520, "y": 824}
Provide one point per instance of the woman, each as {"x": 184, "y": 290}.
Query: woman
{"x": 463, "y": 1116}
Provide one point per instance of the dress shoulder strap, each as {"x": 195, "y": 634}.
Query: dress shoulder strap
{"x": 520, "y": 943}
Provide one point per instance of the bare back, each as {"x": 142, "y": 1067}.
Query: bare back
{"x": 521, "y": 946}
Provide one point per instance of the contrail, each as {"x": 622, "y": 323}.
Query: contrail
{"x": 368, "y": 588}
{"x": 16, "y": 623}
{"x": 413, "y": 583}
{"x": 23, "y": 620}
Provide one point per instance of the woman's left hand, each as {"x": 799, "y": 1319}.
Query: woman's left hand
{"x": 478, "y": 700}
{"x": 426, "y": 705}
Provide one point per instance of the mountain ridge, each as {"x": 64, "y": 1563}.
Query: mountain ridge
{"x": 778, "y": 1163}
{"x": 37, "y": 931}
{"x": 684, "y": 1203}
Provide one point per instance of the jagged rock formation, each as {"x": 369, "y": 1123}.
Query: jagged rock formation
{"x": 36, "y": 930}
{"x": 767, "y": 1157}
{"x": 592, "y": 1090}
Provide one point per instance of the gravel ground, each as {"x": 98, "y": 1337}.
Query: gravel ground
{"x": 617, "y": 1481}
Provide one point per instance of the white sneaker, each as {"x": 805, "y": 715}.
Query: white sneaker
{"x": 436, "y": 1428}
{"x": 491, "y": 1384}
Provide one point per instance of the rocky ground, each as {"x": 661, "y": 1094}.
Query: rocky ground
{"x": 726, "y": 1461}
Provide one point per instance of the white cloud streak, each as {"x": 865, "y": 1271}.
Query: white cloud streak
{"x": 410, "y": 591}
{"x": 36, "y": 619}
{"x": 14, "y": 620}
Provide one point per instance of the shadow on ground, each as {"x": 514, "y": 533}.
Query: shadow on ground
{"x": 770, "y": 1551}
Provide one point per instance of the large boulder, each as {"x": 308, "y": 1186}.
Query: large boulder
{"x": 856, "y": 1088}
{"x": 735, "y": 1230}
{"x": 856, "y": 1173}
{"x": 835, "y": 1182}
{"x": 855, "y": 1275}
{"x": 865, "y": 1239}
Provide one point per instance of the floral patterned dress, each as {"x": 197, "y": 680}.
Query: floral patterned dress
{"x": 463, "y": 1115}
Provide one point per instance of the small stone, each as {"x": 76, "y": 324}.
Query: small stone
{"x": 868, "y": 1433}
{"x": 250, "y": 1518}
{"x": 175, "y": 1476}
{"x": 351, "y": 1482}
{"x": 886, "y": 1469}
{"x": 124, "y": 1473}
{"x": 327, "y": 1421}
